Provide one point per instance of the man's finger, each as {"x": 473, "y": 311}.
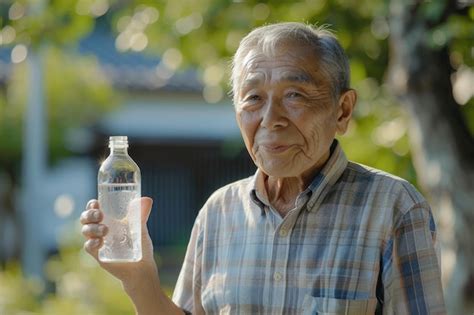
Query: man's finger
{"x": 92, "y": 247}
{"x": 92, "y": 204}
{"x": 146, "y": 205}
{"x": 94, "y": 230}
{"x": 91, "y": 216}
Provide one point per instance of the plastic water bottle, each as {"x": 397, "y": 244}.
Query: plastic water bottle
{"x": 119, "y": 186}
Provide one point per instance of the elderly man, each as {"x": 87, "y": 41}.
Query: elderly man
{"x": 310, "y": 232}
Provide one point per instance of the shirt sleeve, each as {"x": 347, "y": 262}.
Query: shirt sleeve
{"x": 187, "y": 293}
{"x": 411, "y": 272}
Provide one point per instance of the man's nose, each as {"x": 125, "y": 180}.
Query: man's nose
{"x": 274, "y": 115}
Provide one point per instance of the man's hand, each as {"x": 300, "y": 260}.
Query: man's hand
{"x": 94, "y": 232}
{"x": 139, "y": 279}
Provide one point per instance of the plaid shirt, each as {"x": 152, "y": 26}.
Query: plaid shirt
{"x": 358, "y": 241}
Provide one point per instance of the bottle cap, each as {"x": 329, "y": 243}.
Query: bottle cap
{"x": 118, "y": 141}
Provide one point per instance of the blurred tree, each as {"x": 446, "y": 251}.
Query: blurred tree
{"x": 77, "y": 93}
{"x": 421, "y": 46}
{"x": 422, "y": 56}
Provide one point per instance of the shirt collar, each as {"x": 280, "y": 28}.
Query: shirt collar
{"x": 317, "y": 189}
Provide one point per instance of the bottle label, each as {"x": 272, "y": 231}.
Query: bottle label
{"x": 120, "y": 204}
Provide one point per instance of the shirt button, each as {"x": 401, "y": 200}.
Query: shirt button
{"x": 277, "y": 276}
{"x": 283, "y": 232}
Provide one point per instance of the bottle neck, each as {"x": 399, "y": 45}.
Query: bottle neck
{"x": 118, "y": 150}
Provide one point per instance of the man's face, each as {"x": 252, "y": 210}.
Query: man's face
{"x": 285, "y": 111}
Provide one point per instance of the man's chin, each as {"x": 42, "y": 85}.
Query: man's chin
{"x": 281, "y": 172}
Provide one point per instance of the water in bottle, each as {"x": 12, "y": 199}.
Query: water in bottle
{"x": 119, "y": 199}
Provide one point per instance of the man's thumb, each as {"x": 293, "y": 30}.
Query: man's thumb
{"x": 146, "y": 204}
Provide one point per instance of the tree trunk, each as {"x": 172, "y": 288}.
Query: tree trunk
{"x": 441, "y": 143}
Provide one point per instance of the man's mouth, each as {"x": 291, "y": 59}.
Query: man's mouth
{"x": 275, "y": 148}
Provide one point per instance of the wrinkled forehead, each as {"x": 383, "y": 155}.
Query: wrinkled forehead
{"x": 294, "y": 63}
{"x": 256, "y": 75}
{"x": 279, "y": 49}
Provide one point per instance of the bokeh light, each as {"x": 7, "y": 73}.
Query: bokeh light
{"x": 19, "y": 53}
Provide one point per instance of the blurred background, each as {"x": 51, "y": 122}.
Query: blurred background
{"x": 73, "y": 73}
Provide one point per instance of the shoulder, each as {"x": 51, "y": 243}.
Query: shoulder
{"x": 383, "y": 183}
{"x": 363, "y": 172}
{"x": 236, "y": 189}
{"x": 228, "y": 197}
{"x": 388, "y": 189}
{"x": 388, "y": 198}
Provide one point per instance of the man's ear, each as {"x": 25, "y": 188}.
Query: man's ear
{"x": 345, "y": 107}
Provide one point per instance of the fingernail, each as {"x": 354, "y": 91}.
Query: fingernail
{"x": 89, "y": 204}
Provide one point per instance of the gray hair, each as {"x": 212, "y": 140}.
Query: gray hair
{"x": 327, "y": 50}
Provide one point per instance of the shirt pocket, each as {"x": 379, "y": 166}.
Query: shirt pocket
{"x": 212, "y": 294}
{"x": 329, "y": 306}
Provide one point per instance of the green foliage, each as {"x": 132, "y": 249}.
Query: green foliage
{"x": 76, "y": 92}
{"x": 208, "y": 32}
{"x": 76, "y": 286}
{"x": 77, "y": 96}
{"x": 16, "y": 293}
{"x": 468, "y": 111}
{"x": 380, "y": 127}
{"x": 55, "y": 22}
{"x": 10, "y": 130}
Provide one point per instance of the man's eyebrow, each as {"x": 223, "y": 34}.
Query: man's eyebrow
{"x": 294, "y": 77}
{"x": 251, "y": 82}
{"x": 300, "y": 77}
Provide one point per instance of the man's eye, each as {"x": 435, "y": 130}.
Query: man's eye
{"x": 293, "y": 95}
{"x": 253, "y": 97}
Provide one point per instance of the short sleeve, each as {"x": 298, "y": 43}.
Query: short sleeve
{"x": 187, "y": 293}
{"x": 411, "y": 270}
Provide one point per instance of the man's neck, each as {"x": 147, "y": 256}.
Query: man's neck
{"x": 282, "y": 192}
